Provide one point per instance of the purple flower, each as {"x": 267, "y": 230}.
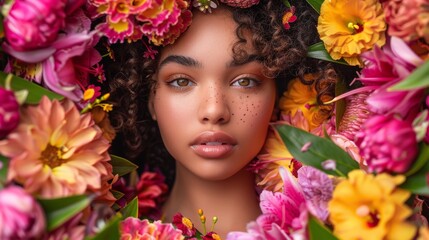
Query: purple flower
{"x": 34, "y": 24}
{"x": 317, "y": 188}
{"x": 387, "y": 144}
{"x": 9, "y": 112}
{"x": 21, "y": 217}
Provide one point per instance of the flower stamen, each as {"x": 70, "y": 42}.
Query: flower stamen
{"x": 372, "y": 217}
{"x": 187, "y": 222}
{"x": 52, "y": 156}
{"x": 356, "y": 27}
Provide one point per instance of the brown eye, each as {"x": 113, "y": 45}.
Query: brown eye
{"x": 244, "y": 82}
{"x": 182, "y": 82}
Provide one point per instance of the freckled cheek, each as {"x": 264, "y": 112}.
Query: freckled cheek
{"x": 252, "y": 111}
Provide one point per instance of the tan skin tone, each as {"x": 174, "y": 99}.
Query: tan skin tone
{"x": 213, "y": 116}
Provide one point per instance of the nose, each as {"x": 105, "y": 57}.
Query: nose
{"x": 214, "y": 107}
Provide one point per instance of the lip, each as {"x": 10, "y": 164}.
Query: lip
{"x": 213, "y": 145}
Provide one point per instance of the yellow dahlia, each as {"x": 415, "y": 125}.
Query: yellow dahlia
{"x": 365, "y": 206}
{"x": 304, "y": 98}
{"x": 56, "y": 151}
{"x": 273, "y": 156}
{"x": 350, "y": 27}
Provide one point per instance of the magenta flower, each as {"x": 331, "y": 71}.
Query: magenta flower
{"x": 151, "y": 191}
{"x": 387, "y": 144}
{"x": 317, "y": 188}
{"x": 21, "y": 217}
{"x": 134, "y": 228}
{"x": 9, "y": 112}
{"x": 385, "y": 68}
{"x": 34, "y": 24}
{"x": 284, "y": 214}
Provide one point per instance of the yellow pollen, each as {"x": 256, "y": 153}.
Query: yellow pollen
{"x": 203, "y": 219}
{"x": 215, "y": 236}
{"x": 200, "y": 211}
{"x": 88, "y": 94}
{"x": 353, "y": 26}
{"x": 52, "y": 156}
{"x": 187, "y": 222}
{"x": 363, "y": 211}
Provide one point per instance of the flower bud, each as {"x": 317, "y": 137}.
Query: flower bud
{"x": 9, "y": 112}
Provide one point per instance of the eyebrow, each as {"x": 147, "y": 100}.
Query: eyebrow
{"x": 182, "y": 60}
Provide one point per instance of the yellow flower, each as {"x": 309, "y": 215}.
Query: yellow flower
{"x": 304, "y": 98}
{"x": 365, "y": 206}
{"x": 274, "y": 155}
{"x": 350, "y": 27}
{"x": 56, "y": 151}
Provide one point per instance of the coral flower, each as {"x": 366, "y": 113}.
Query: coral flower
{"x": 304, "y": 97}
{"x": 349, "y": 28}
{"x": 134, "y": 228}
{"x": 370, "y": 207}
{"x": 55, "y": 151}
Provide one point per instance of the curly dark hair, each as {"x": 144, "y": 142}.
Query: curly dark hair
{"x": 282, "y": 52}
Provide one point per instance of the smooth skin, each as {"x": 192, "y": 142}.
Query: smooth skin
{"x": 200, "y": 89}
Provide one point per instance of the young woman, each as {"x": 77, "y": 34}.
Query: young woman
{"x": 206, "y": 101}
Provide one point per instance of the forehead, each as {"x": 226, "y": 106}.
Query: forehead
{"x": 210, "y": 36}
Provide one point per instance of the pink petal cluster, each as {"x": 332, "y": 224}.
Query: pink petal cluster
{"x": 134, "y": 228}
{"x": 55, "y": 151}
{"x": 9, "y": 112}
{"x": 160, "y": 21}
{"x": 21, "y": 217}
{"x": 240, "y": 3}
{"x": 407, "y": 19}
{"x": 385, "y": 68}
{"x": 349, "y": 146}
{"x": 388, "y": 144}
{"x": 34, "y": 24}
{"x": 151, "y": 192}
{"x": 284, "y": 214}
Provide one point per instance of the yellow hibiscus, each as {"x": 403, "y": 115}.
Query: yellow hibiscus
{"x": 304, "y": 98}
{"x": 365, "y": 206}
{"x": 350, "y": 27}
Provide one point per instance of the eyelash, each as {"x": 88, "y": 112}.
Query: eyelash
{"x": 252, "y": 83}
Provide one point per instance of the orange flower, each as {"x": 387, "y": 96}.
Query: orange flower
{"x": 350, "y": 27}
{"x": 304, "y": 98}
{"x": 274, "y": 155}
{"x": 56, "y": 151}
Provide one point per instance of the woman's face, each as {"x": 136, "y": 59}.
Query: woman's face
{"x": 212, "y": 113}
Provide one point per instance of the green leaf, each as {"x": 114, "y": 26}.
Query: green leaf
{"x": 320, "y": 150}
{"x": 132, "y": 209}
{"x": 419, "y": 78}
{"x": 4, "y": 163}
{"x": 317, "y": 230}
{"x": 59, "y": 210}
{"x": 110, "y": 230}
{"x": 318, "y": 51}
{"x": 421, "y": 160}
{"x": 121, "y": 166}
{"x": 35, "y": 92}
{"x": 316, "y": 4}
{"x": 417, "y": 182}
{"x": 116, "y": 194}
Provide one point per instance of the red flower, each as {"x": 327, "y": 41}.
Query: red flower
{"x": 211, "y": 236}
{"x": 184, "y": 224}
{"x": 151, "y": 191}
{"x": 289, "y": 17}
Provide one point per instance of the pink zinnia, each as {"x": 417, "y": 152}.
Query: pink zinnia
{"x": 387, "y": 144}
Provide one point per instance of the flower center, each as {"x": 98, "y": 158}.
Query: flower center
{"x": 355, "y": 27}
{"x": 372, "y": 217}
{"x": 215, "y": 236}
{"x": 51, "y": 156}
{"x": 187, "y": 222}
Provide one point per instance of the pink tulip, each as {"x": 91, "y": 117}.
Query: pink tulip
{"x": 387, "y": 144}
{"x": 9, "y": 112}
{"x": 21, "y": 217}
{"x": 34, "y": 24}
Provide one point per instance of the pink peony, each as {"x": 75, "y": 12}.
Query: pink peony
{"x": 387, "y": 144}
{"x": 9, "y": 112}
{"x": 151, "y": 190}
{"x": 407, "y": 19}
{"x": 34, "y": 24}
{"x": 21, "y": 217}
{"x": 134, "y": 228}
